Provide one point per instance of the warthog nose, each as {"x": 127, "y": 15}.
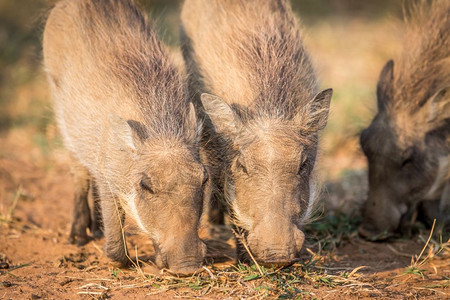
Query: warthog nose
{"x": 272, "y": 256}
{"x": 277, "y": 263}
{"x": 186, "y": 266}
{"x": 281, "y": 249}
{"x": 185, "y": 271}
{"x": 277, "y": 257}
{"x": 187, "y": 263}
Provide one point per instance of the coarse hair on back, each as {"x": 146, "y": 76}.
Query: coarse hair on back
{"x": 264, "y": 65}
{"x": 134, "y": 63}
{"x": 423, "y": 66}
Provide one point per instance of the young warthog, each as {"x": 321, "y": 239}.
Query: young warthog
{"x": 408, "y": 142}
{"x": 122, "y": 109}
{"x": 263, "y": 120}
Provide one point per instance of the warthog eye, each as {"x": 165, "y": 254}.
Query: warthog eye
{"x": 205, "y": 177}
{"x": 240, "y": 166}
{"x": 145, "y": 184}
{"x": 408, "y": 156}
{"x": 303, "y": 165}
{"x": 406, "y": 162}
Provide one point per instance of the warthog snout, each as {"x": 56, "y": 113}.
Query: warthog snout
{"x": 183, "y": 256}
{"x": 382, "y": 216}
{"x": 279, "y": 248}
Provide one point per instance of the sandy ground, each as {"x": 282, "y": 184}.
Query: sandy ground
{"x": 36, "y": 205}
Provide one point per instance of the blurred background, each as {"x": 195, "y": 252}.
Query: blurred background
{"x": 349, "y": 40}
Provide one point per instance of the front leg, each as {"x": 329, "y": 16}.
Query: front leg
{"x": 81, "y": 213}
{"x": 113, "y": 223}
{"x": 96, "y": 224}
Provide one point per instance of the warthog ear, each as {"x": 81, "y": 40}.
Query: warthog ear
{"x": 221, "y": 114}
{"x": 193, "y": 127}
{"x": 127, "y": 133}
{"x": 385, "y": 85}
{"x": 318, "y": 112}
{"x": 440, "y": 105}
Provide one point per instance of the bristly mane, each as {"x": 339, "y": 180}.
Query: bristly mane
{"x": 423, "y": 67}
{"x": 140, "y": 63}
{"x": 267, "y": 68}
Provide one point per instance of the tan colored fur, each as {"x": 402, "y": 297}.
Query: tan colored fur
{"x": 122, "y": 110}
{"x": 262, "y": 119}
{"x": 250, "y": 53}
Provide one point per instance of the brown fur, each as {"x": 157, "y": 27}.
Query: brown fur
{"x": 408, "y": 142}
{"x": 423, "y": 67}
{"x": 261, "y": 126}
{"x": 122, "y": 110}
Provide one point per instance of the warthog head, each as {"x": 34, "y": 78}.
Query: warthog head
{"x": 407, "y": 147}
{"x": 269, "y": 182}
{"x": 166, "y": 200}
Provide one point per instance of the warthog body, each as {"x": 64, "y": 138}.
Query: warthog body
{"x": 408, "y": 142}
{"x": 262, "y": 123}
{"x": 124, "y": 115}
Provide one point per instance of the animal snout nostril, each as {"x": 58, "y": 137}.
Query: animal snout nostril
{"x": 272, "y": 257}
{"x": 280, "y": 258}
{"x": 186, "y": 267}
{"x": 186, "y": 260}
{"x": 277, "y": 250}
{"x": 277, "y": 263}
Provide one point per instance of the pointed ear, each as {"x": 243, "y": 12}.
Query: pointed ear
{"x": 385, "y": 85}
{"x": 439, "y": 108}
{"x": 317, "y": 116}
{"x": 127, "y": 134}
{"x": 193, "y": 127}
{"x": 222, "y": 116}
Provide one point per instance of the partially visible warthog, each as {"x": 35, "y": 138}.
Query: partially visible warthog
{"x": 263, "y": 120}
{"x": 124, "y": 115}
{"x": 408, "y": 142}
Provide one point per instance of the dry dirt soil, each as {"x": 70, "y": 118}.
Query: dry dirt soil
{"x": 38, "y": 263}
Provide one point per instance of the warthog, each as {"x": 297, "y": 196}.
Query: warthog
{"x": 123, "y": 112}
{"x": 262, "y": 121}
{"x": 408, "y": 142}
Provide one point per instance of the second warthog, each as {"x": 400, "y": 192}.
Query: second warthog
{"x": 263, "y": 114}
{"x": 124, "y": 115}
{"x": 408, "y": 142}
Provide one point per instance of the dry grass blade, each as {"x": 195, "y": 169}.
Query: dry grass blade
{"x": 426, "y": 245}
{"x": 8, "y": 217}
{"x": 356, "y": 270}
{"x": 210, "y": 273}
{"x": 93, "y": 289}
{"x": 244, "y": 243}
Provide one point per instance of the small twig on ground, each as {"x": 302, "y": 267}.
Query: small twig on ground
{"x": 398, "y": 252}
{"x": 356, "y": 270}
{"x": 210, "y": 273}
